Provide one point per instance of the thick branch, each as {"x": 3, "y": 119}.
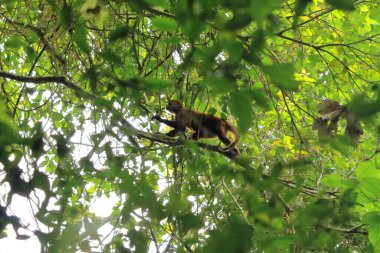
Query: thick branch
{"x": 45, "y": 79}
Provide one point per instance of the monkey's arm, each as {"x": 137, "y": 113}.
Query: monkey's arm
{"x": 171, "y": 123}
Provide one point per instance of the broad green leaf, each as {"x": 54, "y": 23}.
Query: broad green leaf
{"x": 80, "y": 38}
{"x": 193, "y": 29}
{"x": 239, "y": 21}
{"x": 111, "y": 56}
{"x": 138, "y": 239}
{"x": 235, "y": 236}
{"x": 8, "y": 129}
{"x": 10, "y": 5}
{"x": 160, "y": 3}
{"x": 367, "y": 169}
{"x": 282, "y": 75}
{"x": 371, "y": 218}
{"x": 189, "y": 221}
{"x": 333, "y": 180}
{"x": 154, "y": 83}
{"x": 300, "y": 6}
{"x": 260, "y": 9}
{"x": 15, "y": 42}
{"x": 362, "y": 107}
{"x": 62, "y": 145}
{"x": 41, "y": 181}
{"x": 92, "y": 77}
{"x": 343, "y": 144}
{"x": 66, "y": 15}
{"x": 372, "y": 185}
{"x": 165, "y": 24}
{"x": 219, "y": 84}
{"x": 280, "y": 242}
{"x": 119, "y": 33}
{"x": 347, "y": 5}
{"x": 374, "y": 235}
{"x": 30, "y": 54}
{"x": 37, "y": 142}
{"x": 241, "y": 108}
{"x": 260, "y": 98}
{"x": 256, "y": 46}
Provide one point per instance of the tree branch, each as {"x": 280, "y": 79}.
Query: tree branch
{"x": 46, "y": 79}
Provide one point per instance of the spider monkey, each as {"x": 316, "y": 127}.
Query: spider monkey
{"x": 204, "y": 125}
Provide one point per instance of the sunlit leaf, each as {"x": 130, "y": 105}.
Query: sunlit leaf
{"x": 371, "y": 218}
{"x": 374, "y": 235}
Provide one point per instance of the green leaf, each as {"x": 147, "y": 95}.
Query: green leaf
{"x": 36, "y": 142}
{"x": 256, "y": 46}
{"x": 8, "y": 129}
{"x": 219, "y": 84}
{"x": 10, "y": 5}
{"x": 371, "y": 218}
{"x": 189, "y": 221}
{"x": 92, "y": 77}
{"x": 41, "y": 181}
{"x": 111, "y": 57}
{"x": 241, "y": 108}
{"x": 299, "y": 9}
{"x": 260, "y": 98}
{"x": 80, "y": 38}
{"x": 160, "y": 3}
{"x": 374, "y": 235}
{"x": 261, "y": 9}
{"x": 15, "y": 42}
{"x": 240, "y": 20}
{"x": 362, "y": 107}
{"x": 119, "y": 33}
{"x": 66, "y": 16}
{"x": 368, "y": 169}
{"x": 235, "y": 236}
{"x": 342, "y": 143}
{"x": 165, "y": 24}
{"x": 333, "y": 180}
{"x": 192, "y": 29}
{"x": 372, "y": 185}
{"x": 301, "y": 6}
{"x": 62, "y": 149}
{"x": 346, "y": 5}
{"x": 139, "y": 240}
{"x": 279, "y": 242}
{"x": 282, "y": 76}
{"x": 154, "y": 83}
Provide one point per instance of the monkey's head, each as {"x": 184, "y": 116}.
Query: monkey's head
{"x": 174, "y": 106}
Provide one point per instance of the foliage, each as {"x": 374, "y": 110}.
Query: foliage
{"x": 80, "y": 80}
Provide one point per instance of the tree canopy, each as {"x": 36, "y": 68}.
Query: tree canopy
{"x": 81, "y": 79}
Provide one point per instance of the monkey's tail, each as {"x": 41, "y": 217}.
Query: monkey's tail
{"x": 237, "y": 137}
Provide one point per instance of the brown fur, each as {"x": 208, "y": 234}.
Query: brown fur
{"x": 204, "y": 125}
